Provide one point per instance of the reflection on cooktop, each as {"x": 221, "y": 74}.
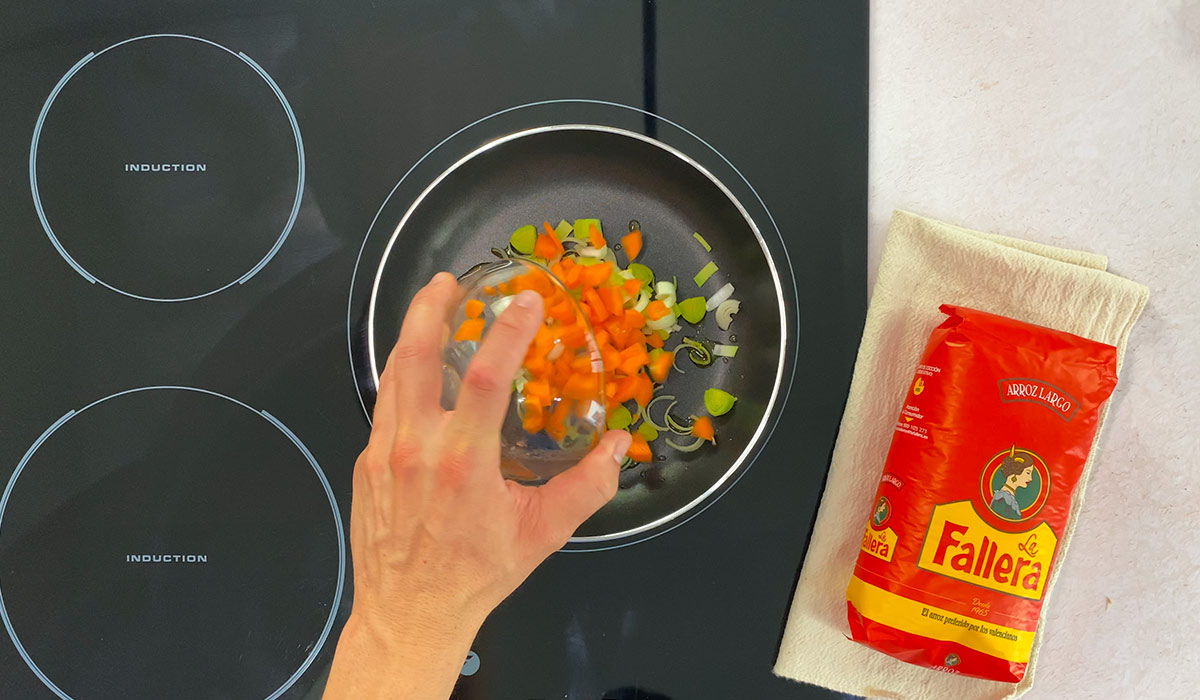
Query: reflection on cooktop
{"x": 171, "y": 532}
{"x": 167, "y": 167}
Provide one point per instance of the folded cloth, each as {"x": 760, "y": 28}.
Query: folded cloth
{"x": 926, "y": 263}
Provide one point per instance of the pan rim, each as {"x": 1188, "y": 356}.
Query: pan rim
{"x": 764, "y": 424}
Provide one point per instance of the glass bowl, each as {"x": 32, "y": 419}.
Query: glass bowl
{"x": 557, "y": 411}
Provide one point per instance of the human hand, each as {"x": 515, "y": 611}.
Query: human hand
{"x": 438, "y": 536}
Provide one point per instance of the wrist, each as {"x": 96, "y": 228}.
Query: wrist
{"x": 381, "y": 656}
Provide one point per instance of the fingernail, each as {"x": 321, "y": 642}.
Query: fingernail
{"x": 621, "y": 445}
{"x": 529, "y": 300}
{"x": 441, "y": 277}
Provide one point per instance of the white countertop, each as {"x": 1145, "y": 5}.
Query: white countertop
{"x": 1077, "y": 123}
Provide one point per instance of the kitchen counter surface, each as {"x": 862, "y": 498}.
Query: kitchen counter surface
{"x": 1077, "y": 124}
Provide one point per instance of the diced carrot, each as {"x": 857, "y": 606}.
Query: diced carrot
{"x": 596, "y": 238}
{"x": 610, "y": 389}
{"x": 543, "y": 340}
{"x": 581, "y": 387}
{"x": 626, "y": 386}
{"x": 563, "y": 312}
{"x": 612, "y": 300}
{"x": 635, "y": 337}
{"x": 702, "y": 427}
{"x": 632, "y": 242}
{"x": 631, "y": 366}
{"x": 596, "y": 275}
{"x": 471, "y": 329}
{"x": 574, "y": 276}
{"x": 656, "y": 310}
{"x": 660, "y": 367}
{"x": 474, "y": 308}
{"x": 632, "y": 287}
{"x": 636, "y": 352}
{"x": 537, "y": 366}
{"x": 593, "y": 300}
{"x": 562, "y": 367}
{"x": 639, "y": 449}
{"x": 549, "y": 229}
{"x": 602, "y": 337}
{"x": 572, "y": 336}
{"x": 654, "y": 339}
{"x": 490, "y": 290}
{"x": 558, "y": 270}
{"x": 618, "y": 331}
{"x": 643, "y": 390}
{"x": 612, "y": 358}
{"x": 556, "y": 424}
{"x": 634, "y": 318}
{"x": 583, "y": 363}
{"x": 541, "y": 283}
{"x": 544, "y": 247}
{"x": 534, "y": 418}
{"x": 539, "y": 389}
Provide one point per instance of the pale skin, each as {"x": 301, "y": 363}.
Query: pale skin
{"x": 438, "y": 537}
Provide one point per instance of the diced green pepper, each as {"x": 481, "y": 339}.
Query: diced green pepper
{"x": 648, "y": 431}
{"x": 562, "y": 230}
{"x": 703, "y": 242}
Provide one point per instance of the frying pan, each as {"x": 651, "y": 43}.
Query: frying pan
{"x": 591, "y": 171}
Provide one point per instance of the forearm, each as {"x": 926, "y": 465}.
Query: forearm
{"x": 374, "y": 661}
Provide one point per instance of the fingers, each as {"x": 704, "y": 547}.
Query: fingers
{"x": 484, "y": 396}
{"x": 573, "y": 496}
{"x": 410, "y": 387}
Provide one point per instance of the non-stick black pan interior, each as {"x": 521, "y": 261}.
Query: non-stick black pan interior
{"x": 570, "y": 172}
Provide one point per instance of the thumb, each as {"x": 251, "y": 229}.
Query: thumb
{"x": 574, "y": 495}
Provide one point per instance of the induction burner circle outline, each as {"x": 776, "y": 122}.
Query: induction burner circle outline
{"x": 312, "y": 461}
{"x": 782, "y": 392}
{"x": 37, "y": 200}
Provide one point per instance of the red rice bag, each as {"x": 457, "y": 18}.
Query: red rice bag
{"x": 967, "y": 521}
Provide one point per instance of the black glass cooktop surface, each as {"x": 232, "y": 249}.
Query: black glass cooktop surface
{"x": 191, "y": 197}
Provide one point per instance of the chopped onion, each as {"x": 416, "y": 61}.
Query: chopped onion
{"x": 556, "y": 352}
{"x": 661, "y": 324}
{"x": 673, "y": 425}
{"x": 719, "y": 298}
{"x": 686, "y": 448}
{"x": 676, "y": 328}
{"x": 665, "y": 292}
{"x": 674, "y": 359}
{"x": 643, "y": 300}
{"x": 588, "y": 251}
{"x": 725, "y": 312}
{"x": 645, "y": 410}
{"x": 724, "y": 350}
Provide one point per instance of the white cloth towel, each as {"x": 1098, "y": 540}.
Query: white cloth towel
{"x": 926, "y": 263}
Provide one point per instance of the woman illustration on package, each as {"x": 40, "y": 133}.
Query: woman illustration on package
{"x": 1018, "y": 472}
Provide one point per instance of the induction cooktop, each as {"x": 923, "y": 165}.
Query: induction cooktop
{"x": 192, "y": 196}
